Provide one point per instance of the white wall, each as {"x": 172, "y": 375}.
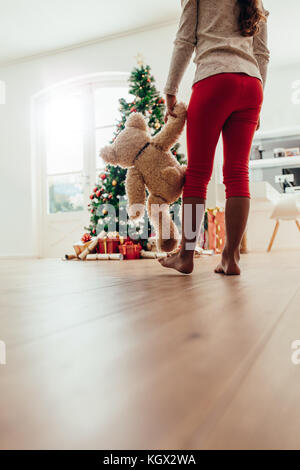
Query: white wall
{"x": 25, "y": 79}
{"x": 278, "y": 110}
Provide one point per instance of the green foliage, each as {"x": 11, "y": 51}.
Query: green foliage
{"x": 111, "y": 183}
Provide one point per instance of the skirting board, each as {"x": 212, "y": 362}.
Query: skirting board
{"x": 30, "y": 256}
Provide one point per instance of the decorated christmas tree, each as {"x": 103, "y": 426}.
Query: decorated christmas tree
{"x": 111, "y": 183}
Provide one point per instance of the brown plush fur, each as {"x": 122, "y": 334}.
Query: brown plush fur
{"x": 155, "y": 168}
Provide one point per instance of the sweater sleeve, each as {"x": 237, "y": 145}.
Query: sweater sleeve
{"x": 184, "y": 45}
{"x": 260, "y": 47}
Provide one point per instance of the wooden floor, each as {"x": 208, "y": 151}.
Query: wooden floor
{"x": 128, "y": 355}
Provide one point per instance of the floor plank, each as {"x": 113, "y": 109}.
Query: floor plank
{"x": 130, "y": 355}
{"x": 264, "y": 412}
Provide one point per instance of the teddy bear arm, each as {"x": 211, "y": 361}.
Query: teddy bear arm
{"x": 170, "y": 133}
{"x": 136, "y": 193}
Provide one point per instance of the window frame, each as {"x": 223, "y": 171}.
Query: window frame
{"x": 88, "y": 83}
{"x": 117, "y": 84}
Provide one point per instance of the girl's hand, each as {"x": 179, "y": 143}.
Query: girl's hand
{"x": 171, "y": 102}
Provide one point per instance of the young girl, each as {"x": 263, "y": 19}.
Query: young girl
{"x": 231, "y": 56}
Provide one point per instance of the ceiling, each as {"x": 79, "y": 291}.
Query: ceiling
{"x": 33, "y": 27}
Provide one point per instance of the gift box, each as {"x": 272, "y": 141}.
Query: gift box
{"x": 151, "y": 244}
{"x": 216, "y": 229}
{"x": 80, "y": 246}
{"x": 109, "y": 243}
{"x": 130, "y": 250}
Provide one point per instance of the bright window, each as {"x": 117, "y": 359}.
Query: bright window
{"x": 77, "y": 124}
{"x": 64, "y": 134}
{"x": 107, "y": 113}
{"x": 64, "y": 148}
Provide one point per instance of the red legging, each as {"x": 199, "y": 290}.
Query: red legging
{"x": 227, "y": 102}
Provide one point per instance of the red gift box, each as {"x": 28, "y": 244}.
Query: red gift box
{"x": 216, "y": 229}
{"x": 130, "y": 250}
{"x": 108, "y": 245}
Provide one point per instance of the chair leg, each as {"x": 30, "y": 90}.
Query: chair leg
{"x": 298, "y": 224}
{"x": 273, "y": 236}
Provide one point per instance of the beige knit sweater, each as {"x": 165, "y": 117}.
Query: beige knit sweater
{"x": 210, "y": 27}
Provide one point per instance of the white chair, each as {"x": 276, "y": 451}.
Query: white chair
{"x": 286, "y": 208}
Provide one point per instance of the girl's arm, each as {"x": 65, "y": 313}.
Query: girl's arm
{"x": 184, "y": 44}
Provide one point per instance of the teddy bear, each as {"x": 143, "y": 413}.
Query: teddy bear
{"x": 151, "y": 165}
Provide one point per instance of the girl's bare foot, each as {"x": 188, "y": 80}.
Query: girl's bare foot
{"x": 182, "y": 264}
{"x": 229, "y": 264}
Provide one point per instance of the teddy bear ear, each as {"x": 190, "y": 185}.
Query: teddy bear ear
{"x": 137, "y": 120}
{"x": 108, "y": 154}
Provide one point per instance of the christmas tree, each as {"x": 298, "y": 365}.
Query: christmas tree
{"x": 111, "y": 184}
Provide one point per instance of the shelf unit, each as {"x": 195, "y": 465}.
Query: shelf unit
{"x": 285, "y": 162}
{"x": 268, "y": 167}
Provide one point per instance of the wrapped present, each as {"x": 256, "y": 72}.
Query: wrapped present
{"x": 152, "y": 254}
{"x": 216, "y": 229}
{"x": 108, "y": 245}
{"x": 91, "y": 248}
{"x": 102, "y": 256}
{"x": 68, "y": 257}
{"x": 151, "y": 244}
{"x": 109, "y": 242}
{"x": 80, "y": 246}
{"x": 130, "y": 250}
{"x": 86, "y": 238}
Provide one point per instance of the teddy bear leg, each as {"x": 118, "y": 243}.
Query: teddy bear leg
{"x": 136, "y": 193}
{"x": 166, "y": 230}
{"x": 173, "y": 175}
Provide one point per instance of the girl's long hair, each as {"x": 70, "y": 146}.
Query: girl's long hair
{"x": 249, "y": 17}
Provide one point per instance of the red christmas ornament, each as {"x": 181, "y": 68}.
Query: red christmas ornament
{"x": 95, "y": 190}
{"x": 98, "y": 194}
{"x": 92, "y": 196}
{"x": 86, "y": 238}
{"x": 109, "y": 196}
{"x": 94, "y": 230}
{"x": 103, "y": 176}
{"x": 133, "y": 110}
